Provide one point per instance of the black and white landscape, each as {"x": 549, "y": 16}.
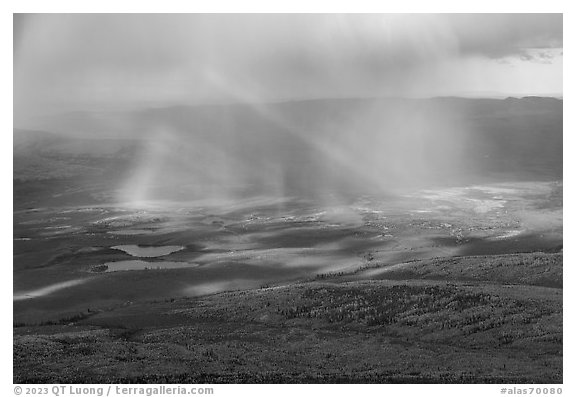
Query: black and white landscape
{"x": 288, "y": 198}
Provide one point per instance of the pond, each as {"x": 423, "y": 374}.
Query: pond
{"x": 137, "y": 264}
{"x": 148, "y": 251}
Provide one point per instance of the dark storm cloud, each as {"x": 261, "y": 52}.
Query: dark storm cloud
{"x": 20, "y": 22}
{"x": 71, "y": 59}
{"x": 502, "y": 35}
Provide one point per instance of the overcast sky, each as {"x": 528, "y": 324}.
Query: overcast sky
{"x": 87, "y": 61}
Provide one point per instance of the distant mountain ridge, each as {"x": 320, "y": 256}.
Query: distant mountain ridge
{"x": 114, "y": 123}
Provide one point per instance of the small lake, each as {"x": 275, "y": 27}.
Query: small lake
{"x": 148, "y": 252}
{"x": 122, "y": 266}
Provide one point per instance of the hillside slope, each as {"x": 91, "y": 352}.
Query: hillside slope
{"x": 475, "y": 331}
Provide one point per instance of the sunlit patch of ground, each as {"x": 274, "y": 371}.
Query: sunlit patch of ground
{"x": 38, "y": 293}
